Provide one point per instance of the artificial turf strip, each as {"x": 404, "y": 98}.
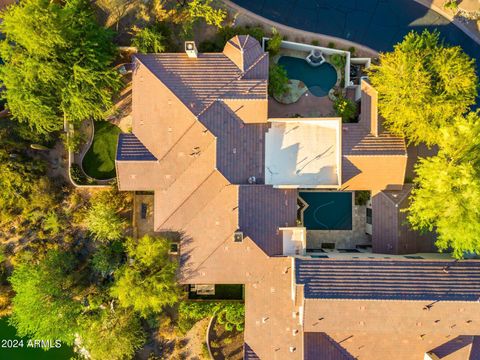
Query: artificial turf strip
{"x": 99, "y": 161}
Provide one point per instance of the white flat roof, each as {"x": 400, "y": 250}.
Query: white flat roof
{"x": 303, "y": 152}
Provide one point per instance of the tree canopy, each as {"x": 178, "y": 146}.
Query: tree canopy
{"x": 42, "y": 306}
{"x": 147, "y": 282}
{"x": 447, "y": 193}
{"x": 113, "y": 335}
{"x": 422, "y": 85}
{"x": 103, "y": 219}
{"x": 57, "y": 63}
{"x": 149, "y": 40}
{"x": 202, "y": 9}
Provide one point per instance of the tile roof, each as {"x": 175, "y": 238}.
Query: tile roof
{"x": 475, "y": 351}
{"x": 130, "y": 148}
{"x": 244, "y": 51}
{"x": 373, "y": 172}
{"x": 389, "y": 280}
{"x": 248, "y": 353}
{"x": 200, "y": 81}
{"x": 262, "y": 210}
{"x": 372, "y": 159}
{"x": 240, "y": 147}
{"x": 357, "y": 141}
{"x": 391, "y": 231}
{"x": 318, "y": 345}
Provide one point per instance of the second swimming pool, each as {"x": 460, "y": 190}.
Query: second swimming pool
{"x": 318, "y": 79}
{"x": 327, "y": 210}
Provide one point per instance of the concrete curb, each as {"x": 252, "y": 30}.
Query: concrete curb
{"x": 207, "y": 337}
{"x": 82, "y": 154}
{"x": 475, "y": 36}
{"x": 327, "y": 38}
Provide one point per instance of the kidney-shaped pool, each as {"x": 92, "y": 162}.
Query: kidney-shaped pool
{"x": 318, "y": 79}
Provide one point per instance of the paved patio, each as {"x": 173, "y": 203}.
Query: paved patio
{"x": 343, "y": 239}
{"x": 143, "y": 226}
{"x": 307, "y": 106}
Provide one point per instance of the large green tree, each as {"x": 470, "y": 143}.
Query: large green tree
{"x": 43, "y": 305}
{"x": 147, "y": 282}
{"x": 203, "y": 9}
{"x": 103, "y": 219}
{"x": 113, "y": 335}
{"x": 446, "y": 197}
{"x": 57, "y": 63}
{"x": 422, "y": 85}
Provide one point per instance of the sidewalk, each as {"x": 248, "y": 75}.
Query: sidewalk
{"x": 469, "y": 27}
{"x": 245, "y": 17}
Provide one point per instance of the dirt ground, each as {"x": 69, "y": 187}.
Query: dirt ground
{"x": 226, "y": 345}
{"x": 190, "y": 346}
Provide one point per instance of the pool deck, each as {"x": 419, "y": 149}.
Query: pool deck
{"x": 307, "y": 106}
{"x": 343, "y": 239}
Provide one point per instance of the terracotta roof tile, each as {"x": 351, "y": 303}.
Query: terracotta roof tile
{"x": 248, "y": 353}
{"x": 130, "y": 148}
{"x": 263, "y": 209}
{"x": 381, "y": 279}
{"x": 240, "y": 147}
{"x": 357, "y": 140}
{"x": 318, "y": 345}
{"x": 244, "y": 51}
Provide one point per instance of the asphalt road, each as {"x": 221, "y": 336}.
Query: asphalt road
{"x": 378, "y": 24}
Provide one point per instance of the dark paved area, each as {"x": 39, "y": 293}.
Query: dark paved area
{"x": 378, "y": 24}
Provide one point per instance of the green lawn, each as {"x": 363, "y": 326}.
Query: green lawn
{"x": 99, "y": 161}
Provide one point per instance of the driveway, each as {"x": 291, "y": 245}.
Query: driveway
{"x": 378, "y": 24}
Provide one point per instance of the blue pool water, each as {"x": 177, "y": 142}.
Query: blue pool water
{"x": 327, "y": 210}
{"x": 319, "y": 79}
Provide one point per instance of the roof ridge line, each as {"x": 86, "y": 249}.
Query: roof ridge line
{"x": 254, "y": 64}
{"x": 167, "y": 87}
{"x": 221, "y": 243}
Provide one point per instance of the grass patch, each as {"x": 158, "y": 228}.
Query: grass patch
{"x": 99, "y": 161}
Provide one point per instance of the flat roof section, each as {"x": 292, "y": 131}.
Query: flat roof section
{"x": 303, "y": 153}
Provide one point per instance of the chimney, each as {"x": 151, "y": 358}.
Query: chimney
{"x": 191, "y": 49}
{"x": 369, "y": 111}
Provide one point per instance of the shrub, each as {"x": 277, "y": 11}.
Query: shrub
{"x": 277, "y": 80}
{"x": 315, "y": 42}
{"x": 149, "y": 39}
{"x": 451, "y": 5}
{"x": 352, "y": 50}
{"x": 224, "y": 34}
{"x": 232, "y": 316}
{"x": 331, "y": 45}
{"x": 79, "y": 177}
{"x": 274, "y": 43}
{"x": 362, "y": 197}
{"x": 191, "y": 312}
{"x": 345, "y": 108}
{"x": 338, "y": 61}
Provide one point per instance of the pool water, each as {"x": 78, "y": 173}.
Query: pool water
{"x": 327, "y": 210}
{"x": 318, "y": 79}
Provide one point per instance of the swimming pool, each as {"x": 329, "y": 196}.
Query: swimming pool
{"x": 327, "y": 210}
{"x": 319, "y": 79}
